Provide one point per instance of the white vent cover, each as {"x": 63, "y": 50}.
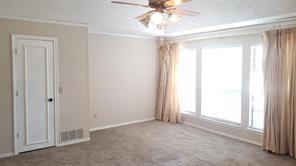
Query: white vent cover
{"x": 71, "y": 135}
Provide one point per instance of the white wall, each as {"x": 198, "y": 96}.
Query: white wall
{"x": 123, "y": 79}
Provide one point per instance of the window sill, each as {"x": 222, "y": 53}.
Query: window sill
{"x": 221, "y": 122}
{"x": 212, "y": 120}
{"x": 189, "y": 113}
{"x": 255, "y": 130}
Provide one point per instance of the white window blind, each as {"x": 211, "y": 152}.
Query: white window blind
{"x": 256, "y": 117}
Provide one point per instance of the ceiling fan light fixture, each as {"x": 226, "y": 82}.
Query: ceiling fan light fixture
{"x": 175, "y": 18}
{"x": 156, "y": 18}
{"x": 164, "y": 13}
{"x": 162, "y": 26}
{"x": 145, "y": 22}
{"x": 167, "y": 20}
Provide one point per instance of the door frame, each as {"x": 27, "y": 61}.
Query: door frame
{"x": 14, "y": 37}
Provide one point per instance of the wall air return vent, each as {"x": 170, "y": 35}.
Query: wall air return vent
{"x": 71, "y": 135}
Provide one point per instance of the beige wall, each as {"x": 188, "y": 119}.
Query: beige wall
{"x": 123, "y": 79}
{"x": 73, "y": 75}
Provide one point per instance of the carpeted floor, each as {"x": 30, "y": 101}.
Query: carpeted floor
{"x": 155, "y": 144}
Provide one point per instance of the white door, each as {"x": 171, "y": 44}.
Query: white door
{"x": 34, "y": 84}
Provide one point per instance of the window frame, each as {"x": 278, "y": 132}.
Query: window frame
{"x": 188, "y": 112}
{"x": 245, "y": 42}
{"x": 200, "y": 73}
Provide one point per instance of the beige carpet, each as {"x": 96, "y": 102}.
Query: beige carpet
{"x": 152, "y": 143}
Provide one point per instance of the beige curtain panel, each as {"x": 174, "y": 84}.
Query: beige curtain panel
{"x": 279, "y": 69}
{"x": 167, "y": 103}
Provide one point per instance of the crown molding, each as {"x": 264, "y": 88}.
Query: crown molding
{"x": 142, "y": 36}
{"x": 151, "y": 37}
{"x": 43, "y": 21}
{"x": 240, "y": 28}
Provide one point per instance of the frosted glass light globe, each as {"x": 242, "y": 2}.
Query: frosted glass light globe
{"x": 174, "y": 18}
{"x": 156, "y": 18}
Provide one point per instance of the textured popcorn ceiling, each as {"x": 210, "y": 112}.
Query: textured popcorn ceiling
{"x": 101, "y": 15}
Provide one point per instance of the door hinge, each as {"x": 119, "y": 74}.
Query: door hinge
{"x": 15, "y": 51}
{"x": 17, "y": 93}
{"x": 17, "y": 135}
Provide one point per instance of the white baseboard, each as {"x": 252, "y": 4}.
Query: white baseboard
{"x": 6, "y": 155}
{"x": 224, "y": 134}
{"x": 74, "y": 141}
{"x": 121, "y": 124}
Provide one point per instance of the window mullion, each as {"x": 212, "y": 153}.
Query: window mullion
{"x": 245, "y": 85}
{"x": 198, "y": 81}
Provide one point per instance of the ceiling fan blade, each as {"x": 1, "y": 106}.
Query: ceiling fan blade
{"x": 171, "y": 3}
{"x": 127, "y": 3}
{"x": 157, "y": 1}
{"x": 184, "y": 12}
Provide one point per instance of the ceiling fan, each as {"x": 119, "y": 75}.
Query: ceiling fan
{"x": 164, "y": 12}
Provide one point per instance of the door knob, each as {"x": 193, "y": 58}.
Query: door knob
{"x": 50, "y": 99}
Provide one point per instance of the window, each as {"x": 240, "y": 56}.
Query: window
{"x": 221, "y": 80}
{"x": 221, "y": 83}
{"x": 187, "y": 77}
{"x": 256, "y": 106}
